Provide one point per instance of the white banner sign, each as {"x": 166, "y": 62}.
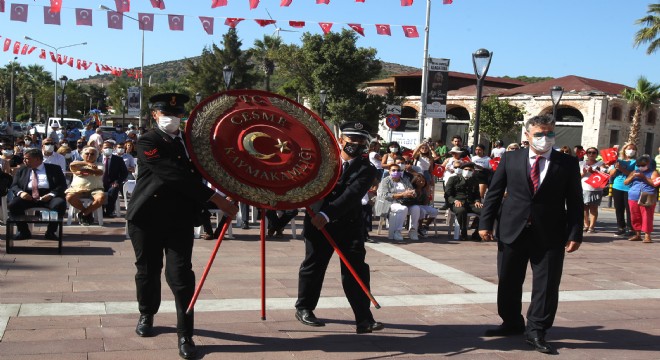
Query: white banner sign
{"x": 436, "y": 89}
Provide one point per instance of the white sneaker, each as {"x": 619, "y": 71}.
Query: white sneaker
{"x": 412, "y": 234}
{"x": 398, "y": 236}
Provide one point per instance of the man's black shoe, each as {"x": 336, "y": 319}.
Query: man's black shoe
{"x": 620, "y": 232}
{"x": 187, "y": 347}
{"x": 145, "y": 325}
{"x": 50, "y": 236}
{"x": 22, "y": 236}
{"x": 307, "y": 317}
{"x": 539, "y": 344}
{"x": 245, "y": 226}
{"x": 504, "y": 330}
{"x": 366, "y": 327}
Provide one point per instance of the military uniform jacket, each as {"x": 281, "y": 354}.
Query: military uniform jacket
{"x": 168, "y": 187}
{"x": 461, "y": 189}
{"x": 344, "y": 204}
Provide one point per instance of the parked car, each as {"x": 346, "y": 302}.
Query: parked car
{"x": 107, "y": 132}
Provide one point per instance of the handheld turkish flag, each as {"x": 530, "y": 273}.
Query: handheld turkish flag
{"x": 19, "y": 12}
{"x": 158, "y": 4}
{"x": 123, "y": 5}
{"x": 84, "y": 17}
{"x": 207, "y": 24}
{"x": 383, "y": 29}
{"x": 580, "y": 154}
{"x": 176, "y": 22}
{"x": 51, "y": 17}
{"x": 410, "y": 31}
{"x": 439, "y": 170}
{"x": 55, "y": 5}
{"x": 358, "y": 28}
{"x": 408, "y": 153}
{"x": 466, "y": 159}
{"x": 325, "y": 26}
{"x": 656, "y": 182}
{"x": 115, "y": 20}
{"x": 494, "y": 163}
{"x": 598, "y": 180}
{"x": 609, "y": 156}
{"x": 146, "y": 21}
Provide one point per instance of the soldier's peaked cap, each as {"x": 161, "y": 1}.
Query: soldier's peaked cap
{"x": 169, "y": 102}
{"x": 356, "y": 128}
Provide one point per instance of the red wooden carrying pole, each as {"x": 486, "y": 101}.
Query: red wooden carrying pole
{"x": 263, "y": 264}
{"x": 208, "y": 265}
{"x": 345, "y": 261}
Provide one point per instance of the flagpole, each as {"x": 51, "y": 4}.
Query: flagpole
{"x": 422, "y": 111}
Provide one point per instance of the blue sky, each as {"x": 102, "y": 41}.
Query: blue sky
{"x": 590, "y": 38}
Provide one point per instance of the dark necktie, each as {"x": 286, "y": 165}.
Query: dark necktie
{"x": 535, "y": 174}
{"x": 106, "y": 168}
{"x": 344, "y": 167}
{"x": 35, "y": 185}
{"x": 179, "y": 144}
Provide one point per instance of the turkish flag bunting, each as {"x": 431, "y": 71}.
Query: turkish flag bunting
{"x": 78, "y": 64}
{"x": 359, "y": 1}
{"x": 254, "y": 4}
{"x": 358, "y": 28}
{"x": 70, "y": 63}
{"x": 115, "y": 20}
{"x": 406, "y": 2}
{"x": 19, "y": 12}
{"x": 447, "y": 2}
{"x": 123, "y": 5}
{"x": 207, "y": 24}
{"x": 323, "y": 1}
{"x": 285, "y": 2}
{"x": 598, "y": 180}
{"x": 86, "y": 65}
{"x": 232, "y": 22}
{"x": 158, "y": 4}
{"x": 176, "y": 22}
{"x": 325, "y": 26}
{"x": 439, "y": 170}
{"x": 7, "y": 44}
{"x": 609, "y": 155}
{"x": 2, "y": 5}
{"x": 410, "y": 31}
{"x": 216, "y": 3}
{"x": 42, "y": 55}
{"x": 51, "y": 18}
{"x": 17, "y": 47}
{"x": 97, "y": 68}
{"x": 84, "y": 17}
{"x": 263, "y": 22}
{"x": 55, "y": 6}
{"x": 383, "y": 29}
{"x": 27, "y": 49}
{"x": 52, "y": 56}
{"x": 297, "y": 24}
{"x": 494, "y": 163}
{"x": 146, "y": 21}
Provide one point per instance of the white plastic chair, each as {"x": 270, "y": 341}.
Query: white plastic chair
{"x": 218, "y": 215}
{"x": 451, "y": 219}
{"x": 98, "y": 213}
{"x": 4, "y": 214}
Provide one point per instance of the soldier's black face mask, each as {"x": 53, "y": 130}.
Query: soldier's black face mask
{"x": 354, "y": 149}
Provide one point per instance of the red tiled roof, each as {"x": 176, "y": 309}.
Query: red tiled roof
{"x": 570, "y": 83}
{"x": 472, "y": 91}
{"x": 456, "y": 74}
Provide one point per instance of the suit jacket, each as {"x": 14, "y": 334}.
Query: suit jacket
{"x": 168, "y": 187}
{"x": 555, "y": 211}
{"x": 116, "y": 173}
{"x": 344, "y": 203}
{"x": 54, "y": 174}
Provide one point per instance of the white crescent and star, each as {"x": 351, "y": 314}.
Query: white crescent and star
{"x": 115, "y": 18}
{"x": 19, "y": 10}
{"x": 84, "y": 14}
{"x": 206, "y": 24}
{"x": 146, "y": 19}
{"x": 248, "y": 144}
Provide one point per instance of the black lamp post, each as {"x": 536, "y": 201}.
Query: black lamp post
{"x": 63, "y": 81}
{"x": 555, "y": 93}
{"x": 227, "y": 73}
{"x": 123, "y": 110}
{"x": 481, "y": 62}
{"x": 12, "y": 96}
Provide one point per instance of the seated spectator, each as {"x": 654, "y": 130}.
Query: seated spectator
{"x": 114, "y": 176}
{"x": 513, "y": 147}
{"x": 56, "y": 134}
{"x": 9, "y": 162}
{"x": 65, "y": 151}
{"x": 76, "y": 154}
{"x": 96, "y": 139}
{"x": 455, "y": 154}
{"x": 409, "y": 169}
{"x": 50, "y": 156}
{"x": 424, "y": 157}
{"x": 31, "y": 141}
{"x": 87, "y": 182}
{"x": 130, "y": 148}
{"x": 389, "y": 158}
{"x": 37, "y": 185}
{"x": 396, "y": 195}
{"x": 423, "y": 200}
{"x": 276, "y": 223}
{"x": 368, "y": 201}
{"x": 375, "y": 158}
{"x": 129, "y": 160}
{"x": 463, "y": 196}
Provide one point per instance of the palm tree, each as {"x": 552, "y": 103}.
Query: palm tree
{"x": 262, "y": 52}
{"x": 642, "y": 97}
{"x": 650, "y": 34}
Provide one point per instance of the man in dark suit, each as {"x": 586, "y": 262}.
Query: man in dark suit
{"x": 115, "y": 174}
{"x": 542, "y": 219}
{"x": 340, "y": 213}
{"x": 37, "y": 185}
{"x": 167, "y": 202}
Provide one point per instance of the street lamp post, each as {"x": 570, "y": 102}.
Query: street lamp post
{"x": 123, "y": 110}
{"x": 105, "y": 8}
{"x": 12, "y": 99}
{"x": 227, "y": 73}
{"x": 56, "y": 63}
{"x": 555, "y": 94}
{"x": 63, "y": 81}
{"x": 481, "y": 62}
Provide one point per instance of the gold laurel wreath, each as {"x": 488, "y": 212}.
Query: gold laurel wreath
{"x": 201, "y": 144}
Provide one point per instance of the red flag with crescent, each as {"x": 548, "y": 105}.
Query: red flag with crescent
{"x": 7, "y": 44}
{"x": 55, "y": 6}
{"x": 358, "y": 28}
{"x": 84, "y": 17}
{"x": 176, "y": 22}
{"x": 408, "y": 153}
{"x": 439, "y": 170}
{"x": 207, "y": 24}
{"x": 232, "y": 22}
{"x": 285, "y": 2}
{"x": 494, "y": 162}
{"x": 17, "y": 47}
{"x": 325, "y": 26}
{"x": 263, "y": 22}
{"x": 19, "y": 12}
{"x": 42, "y": 55}
{"x": 51, "y": 17}
{"x": 383, "y": 29}
{"x": 217, "y": 3}
{"x": 146, "y": 21}
{"x": 123, "y": 5}
{"x": 115, "y": 20}
{"x": 598, "y": 180}
{"x": 158, "y": 4}
{"x": 410, "y": 31}
{"x": 609, "y": 156}
{"x": 296, "y": 24}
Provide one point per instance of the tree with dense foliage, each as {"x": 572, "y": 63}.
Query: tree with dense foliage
{"x": 650, "y": 32}
{"x": 332, "y": 62}
{"x": 498, "y": 118}
{"x": 642, "y": 98}
{"x": 262, "y": 53}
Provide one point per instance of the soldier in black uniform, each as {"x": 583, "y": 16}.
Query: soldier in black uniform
{"x": 340, "y": 213}
{"x": 168, "y": 198}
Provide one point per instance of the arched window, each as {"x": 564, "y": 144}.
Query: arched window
{"x": 651, "y": 117}
{"x": 569, "y": 114}
{"x": 408, "y": 112}
{"x": 616, "y": 113}
{"x": 458, "y": 113}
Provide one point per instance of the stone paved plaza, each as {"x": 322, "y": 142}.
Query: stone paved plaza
{"x": 437, "y": 295}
